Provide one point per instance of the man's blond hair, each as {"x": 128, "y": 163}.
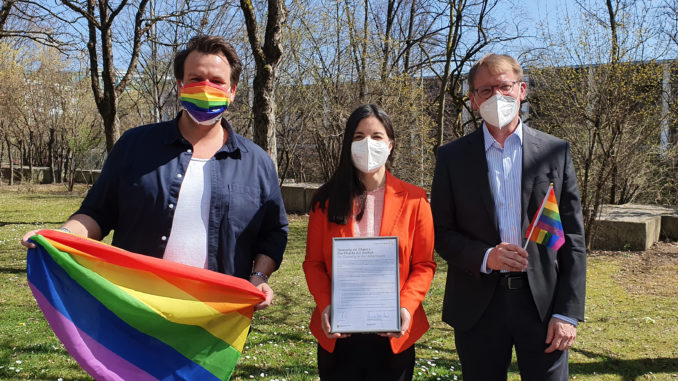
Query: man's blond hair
{"x": 495, "y": 64}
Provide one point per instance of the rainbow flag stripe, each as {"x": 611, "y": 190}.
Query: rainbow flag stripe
{"x": 546, "y": 228}
{"x": 125, "y": 316}
{"x": 205, "y": 96}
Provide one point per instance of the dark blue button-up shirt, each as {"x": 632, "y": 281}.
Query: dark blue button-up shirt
{"x": 139, "y": 186}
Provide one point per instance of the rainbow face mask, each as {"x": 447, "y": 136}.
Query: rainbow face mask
{"x": 205, "y": 102}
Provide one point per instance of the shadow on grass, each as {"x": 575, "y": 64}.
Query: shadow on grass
{"x": 245, "y": 371}
{"x": 31, "y": 223}
{"x": 13, "y": 270}
{"x": 37, "y": 348}
{"x": 628, "y": 369}
{"x": 9, "y": 375}
{"x": 56, "y": 195}
{"x": 28, "y": 370}
{"x": 264, "y": 337}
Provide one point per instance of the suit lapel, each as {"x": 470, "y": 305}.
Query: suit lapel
{"x": 479, "y": 175}
{"x": 531, "y": 148}
{"x": 394, "y": 202}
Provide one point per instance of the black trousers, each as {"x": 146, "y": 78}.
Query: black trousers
{"x": 365, "y": 357}
{"x": 511, "y": 319}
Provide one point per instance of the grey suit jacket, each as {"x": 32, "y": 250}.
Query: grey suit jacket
{"x": 466, "y": 226}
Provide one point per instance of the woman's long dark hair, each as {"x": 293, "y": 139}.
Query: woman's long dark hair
{"x": 344, "y": 186}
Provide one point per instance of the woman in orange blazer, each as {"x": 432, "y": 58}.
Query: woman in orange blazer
{"x": 363, "y": 199}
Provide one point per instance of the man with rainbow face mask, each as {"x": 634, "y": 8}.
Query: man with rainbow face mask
{"x": 191, "y": 190}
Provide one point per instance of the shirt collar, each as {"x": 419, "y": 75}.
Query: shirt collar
{"x": 172, "y": 134}
{"x": 232, "y": 143}
{"x": 489, "y": 139}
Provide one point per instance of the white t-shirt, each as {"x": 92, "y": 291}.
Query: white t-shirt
{"x": 187, "y": 241}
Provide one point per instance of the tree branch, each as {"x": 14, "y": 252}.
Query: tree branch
{"x": 252, "y": 33}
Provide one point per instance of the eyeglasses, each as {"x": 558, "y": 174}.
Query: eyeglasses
{"x": 487, "y": 91}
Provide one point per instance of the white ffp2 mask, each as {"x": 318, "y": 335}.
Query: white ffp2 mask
{"x": 499, "y": 110}
{"x": 369, "y": 155}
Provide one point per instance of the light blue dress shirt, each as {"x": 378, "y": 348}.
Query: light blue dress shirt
{"x": 504, "y": 171}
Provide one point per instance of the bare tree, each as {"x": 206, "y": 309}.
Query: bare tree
{"x": 669, "y": 16}
{"x": 5, "y": 9}
{"x": 319, "y": 74}
{"x": 43, "y": 104}
{"x": 607, "y": 104}
{"x": 391, "y": 12}
{"x": 471, "y": 29}
{"x": 27, "y": 20}
{"x": 104, "y": 19}
{"x": 100, "y": 16}
{"x": 12, "y": 101}
{"x": 358, "y": 43}
{"x": 155, "y": 96}
{"x": 267, "y": 56}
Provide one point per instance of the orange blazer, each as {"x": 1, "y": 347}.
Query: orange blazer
{"x": 406, "y": 214}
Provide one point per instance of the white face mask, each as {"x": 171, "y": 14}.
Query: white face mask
{"x": 369, "y": 155}
{"x": 499, "y": 110}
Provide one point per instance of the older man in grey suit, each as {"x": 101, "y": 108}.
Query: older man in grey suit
{"x": 486, "y": 188}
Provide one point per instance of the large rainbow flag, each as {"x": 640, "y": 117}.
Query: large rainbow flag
{"x": 125, "y": 316}
{"x": 546, "y": 228}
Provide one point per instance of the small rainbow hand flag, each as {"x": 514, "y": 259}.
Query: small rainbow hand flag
{"x": 125, "y": 316}
{"x": 546, "y": 228}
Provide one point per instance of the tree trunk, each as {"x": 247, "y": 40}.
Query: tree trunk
{"x": 264, "y": 112}
{"x": 614, "y": 53}
{"x": 62, "y": 162}
{"x": 29, "y": 156}
{"x": 111, "y": 123}
{"x": 614, "y": 59}
{"x": 11, "y": 161}
{"x": 51, "y": 154}
{"x": 155, "y": 92}
{"x": 67, "y": 165}
{"x": 71, "y": 171}
{"x": 2, "y": 153}
{"x": 358, "y": 47}
{"x": 445, "y": 80}
{"x": 410, "y": 29}
{"x": 100, "y": 16}
{"x": 108, "y": 107}
{"x": 266, "y": 57}
{"x": 440, "y": 117}
{"x": 22, "y": 156}
{"x": 363, "y": 59}
{"x": 386, "y": 49}
{"x": 5, "y": 10}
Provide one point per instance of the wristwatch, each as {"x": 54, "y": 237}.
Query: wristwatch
{"x": 260, "y": 275}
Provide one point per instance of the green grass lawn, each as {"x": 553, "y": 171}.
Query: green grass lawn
{"x": 631, "y": 332}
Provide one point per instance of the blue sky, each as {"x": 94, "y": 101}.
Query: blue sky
{"x": 533, "y": 15}
{"x": 529, "y": 15}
